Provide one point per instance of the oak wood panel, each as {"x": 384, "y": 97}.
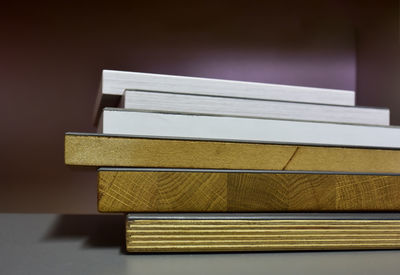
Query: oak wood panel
{"x": 149, "y": 191}
{"x": 146, "y": 152}
{"x": 260, "y": 235}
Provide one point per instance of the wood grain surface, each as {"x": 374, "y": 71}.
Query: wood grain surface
{"x": 260, "y": 235}
{"x": 145, "y": 152}
{"x": 147, "y": 191}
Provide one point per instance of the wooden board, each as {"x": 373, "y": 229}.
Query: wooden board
{"x": 260, "y": 235}
{"x": 99, "y": 150}
{"x": 178, "y": 191}
{"x": 245, "y": 129}
{"x": 218, "y": 105}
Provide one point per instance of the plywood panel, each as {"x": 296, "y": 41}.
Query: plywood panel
{"x": 260, "y": 235}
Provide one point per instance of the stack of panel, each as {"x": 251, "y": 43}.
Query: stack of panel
{"x": 243, "y": 157}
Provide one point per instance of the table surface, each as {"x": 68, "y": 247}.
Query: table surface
{"x": 93, "y": 244}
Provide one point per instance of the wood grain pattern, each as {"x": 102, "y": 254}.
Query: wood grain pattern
{"x": 147, "y": 191}
{"x": 260, "y": 235}
{"x": 145, "y": 152}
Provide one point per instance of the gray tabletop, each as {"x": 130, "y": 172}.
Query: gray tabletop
{"x": 93, "y": 244}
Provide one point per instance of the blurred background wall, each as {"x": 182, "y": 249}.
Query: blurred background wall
{"x": 52, "y": 54}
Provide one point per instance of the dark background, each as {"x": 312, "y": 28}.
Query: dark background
{"x": 52, "y": 54}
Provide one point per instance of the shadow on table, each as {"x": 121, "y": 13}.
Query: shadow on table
{"x": 95, "y": 230}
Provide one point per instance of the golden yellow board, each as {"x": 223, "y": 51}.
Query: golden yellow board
{"x": 145, "y": 152}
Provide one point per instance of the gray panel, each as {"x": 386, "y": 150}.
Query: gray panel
{"x": 131, "y": 169}
{"x": 265, "y": 216}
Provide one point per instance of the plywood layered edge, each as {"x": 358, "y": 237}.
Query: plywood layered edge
{"x": 204, "y": 235}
